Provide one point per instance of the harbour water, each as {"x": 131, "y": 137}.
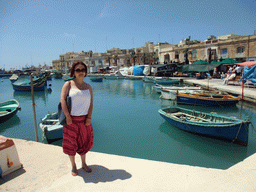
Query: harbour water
{"x": 126, "y": 122}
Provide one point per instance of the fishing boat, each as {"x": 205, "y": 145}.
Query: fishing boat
{"x": 57, "y": 75}
{"x": 116, "y": 75}
{"x": 171, "y": 93}
{"x": 113, "y": 77}
{"x": 96, "y": 79}
{"x": 208, "y": 124}
{"x": 25, "y": 85}
{"x": 133, "y": 77}
{"x": 166, "y": 81}
{"x": 206, "y": 99}
{"x": 8, "y": 109}
{"x": 51, "y": 127}
{"x": 67, "y": 78}
{"x": 148, "y": 79}
{"x": 14, "y": 78}
{"x": 158, "y": 88}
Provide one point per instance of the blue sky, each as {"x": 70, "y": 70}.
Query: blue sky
{"x": 38, "y": 31}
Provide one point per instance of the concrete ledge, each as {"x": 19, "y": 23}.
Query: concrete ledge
{"x": 46, "y": 168}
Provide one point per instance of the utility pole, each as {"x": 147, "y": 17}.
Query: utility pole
{"x": 33, "y": 105}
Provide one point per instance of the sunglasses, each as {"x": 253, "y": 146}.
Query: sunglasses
{"x": 80, "y": 70}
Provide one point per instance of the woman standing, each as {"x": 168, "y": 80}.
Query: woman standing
{"x": 78, "y": 133}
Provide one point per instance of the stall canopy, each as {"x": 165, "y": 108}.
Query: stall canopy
{"x": 215, "y": 62}
{"x": 249, "y": 71}
{"x": 247, "y": 63}
{"x": 200, "y": 62}
{"x": 197, "y": 67}
{"x": 229, "y": 61}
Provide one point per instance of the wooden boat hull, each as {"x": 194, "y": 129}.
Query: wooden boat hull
{"x": 51, "y": 127}
{"x": 148, "y": 79}
{"x": 167, "y": 81}
{"x": 114, "y": 77}
{"x": 236, "y": 131}
{"x": 8, "y": 109}
{"x": 58, "y": 77}
{"x": 40, "y": 87}
{"x": 97, "y": 79}
{"x": 68, "y": 78}
{"x": 207, "y": 100}
{"x": 171, "y": 94}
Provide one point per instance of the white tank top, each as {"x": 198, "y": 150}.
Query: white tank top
{"x": 81, "y": 100}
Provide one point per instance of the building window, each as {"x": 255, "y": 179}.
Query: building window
{"x": 176, "y": 55}
{"x": 213, "y": 52}
{"x": 194, "y": 54}
{"x": 224, "y": 51}
{"x": 202, "y": 53}
{"x": 240, "y": 50}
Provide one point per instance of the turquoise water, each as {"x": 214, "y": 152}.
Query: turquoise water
{"x": 126, "y": 122}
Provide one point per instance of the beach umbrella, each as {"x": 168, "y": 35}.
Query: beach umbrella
{"x": 200, "y": 62}
{"x": 229, "y": 61}
{"x": 215, "y": 62}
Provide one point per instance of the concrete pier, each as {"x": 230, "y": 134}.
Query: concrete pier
{"x": 46, "y": 168}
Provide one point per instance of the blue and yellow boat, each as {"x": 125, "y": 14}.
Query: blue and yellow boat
{"x": 206, "y": 99}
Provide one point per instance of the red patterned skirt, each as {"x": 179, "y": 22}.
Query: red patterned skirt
{"x": 77, "y": 137}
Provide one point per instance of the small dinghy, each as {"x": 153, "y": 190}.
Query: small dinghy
{"x": 51, "y": 127}
{"x": 8, "y": 109}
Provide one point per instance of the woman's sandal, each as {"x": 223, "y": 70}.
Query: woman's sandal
{"x": 87, "y": 169}
{"x": 74, "y": 171}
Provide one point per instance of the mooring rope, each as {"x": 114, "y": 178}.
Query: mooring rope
{"x": 237, "y": 132}
{"x": 253, "y": 127}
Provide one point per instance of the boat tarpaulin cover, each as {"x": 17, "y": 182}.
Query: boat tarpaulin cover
{"x": 249, "y": 74}
{"x": 138, "y": 70}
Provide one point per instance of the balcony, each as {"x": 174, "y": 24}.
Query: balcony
{"x": 240, "y": 55}
{"x": 224, "y": 56}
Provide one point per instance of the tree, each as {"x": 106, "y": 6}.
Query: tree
{"x": 210, "y": 55}
{"x": 133, "y": 56}
{"x": 143, "y": 57}
{"x": 115, "y": 57}
{"x": 154, "y": 57}
{"x": 108, "y": 58}
{"x": 185, "y": 51}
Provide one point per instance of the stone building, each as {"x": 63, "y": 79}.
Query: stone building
{"x": 241, "y": 48}
{"x": 65, "y": 61}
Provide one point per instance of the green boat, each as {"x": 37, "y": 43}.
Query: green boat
{"x": 8, "y": 109}
{"x": 67, "y": 78}
{"x": 208, "y": 124}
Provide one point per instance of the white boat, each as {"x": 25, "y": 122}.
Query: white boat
{"x": 133, "y": 77}
{"x": 116, "y": 75}
{"x": 172, "y": 93}
{"x": 14, "y": 78}
{"x": 51, "y": 127}
{"x": 158, "y": 88}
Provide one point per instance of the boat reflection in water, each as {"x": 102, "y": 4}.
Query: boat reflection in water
{"x": 14, "y": 121}
{"x": 38, "y": 95}
{"x": 217, "y": 153}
